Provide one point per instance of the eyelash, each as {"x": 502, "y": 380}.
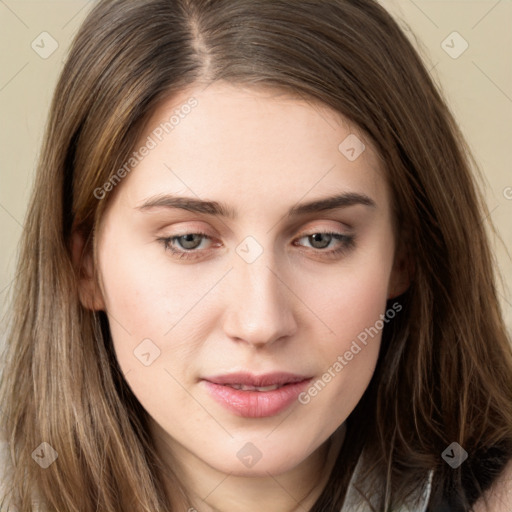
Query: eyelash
{"x": 347, "y": 243}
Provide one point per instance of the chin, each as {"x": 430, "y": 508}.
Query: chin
{"x": 261, "y": 469}
{"x": 249, "y": 462}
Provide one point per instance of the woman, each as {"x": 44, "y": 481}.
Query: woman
{"x": 254, "y": 274}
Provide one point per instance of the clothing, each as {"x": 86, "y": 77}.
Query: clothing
{"x": 355, "y": 503}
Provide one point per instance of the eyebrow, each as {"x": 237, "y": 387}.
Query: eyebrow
{"x": 221, "y": 210}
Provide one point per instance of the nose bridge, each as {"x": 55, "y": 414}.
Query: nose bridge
{"x": 259, "y": 310}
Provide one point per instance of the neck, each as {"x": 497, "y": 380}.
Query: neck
{"x": 296, "y": 490}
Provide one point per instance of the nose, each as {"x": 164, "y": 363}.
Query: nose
{"x": 259, "y": 309}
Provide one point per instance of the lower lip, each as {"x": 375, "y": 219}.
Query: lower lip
{"x": 256, "y": 404}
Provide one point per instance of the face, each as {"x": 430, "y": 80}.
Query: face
{"x": 245, "y": 263}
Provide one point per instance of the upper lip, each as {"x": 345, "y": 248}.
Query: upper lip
{"x": 249, "y": 379}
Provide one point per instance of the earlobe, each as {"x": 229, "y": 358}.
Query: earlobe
{"x": 83, "y": 262}
{"x": 401, "y": 274}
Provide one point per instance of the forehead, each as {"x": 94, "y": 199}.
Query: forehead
{"x": 254, "y": 146}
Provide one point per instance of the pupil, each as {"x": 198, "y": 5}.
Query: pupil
{"x": 317, "y": 240}
{"x": 190, "y": 241}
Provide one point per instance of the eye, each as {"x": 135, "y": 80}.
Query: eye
{"x": 190, "y": 241}
{"x": 337, "y": 242}
{"x": 185, "y": 246}
{"x": 191, "y": 245}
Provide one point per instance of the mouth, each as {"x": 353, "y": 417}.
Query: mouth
{"x": 261, "y": 381}
{"x": 261, "y": 389}
{"x": 256, "y": 396}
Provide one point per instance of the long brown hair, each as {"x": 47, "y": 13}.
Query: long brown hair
{"x": 445, "y": 369}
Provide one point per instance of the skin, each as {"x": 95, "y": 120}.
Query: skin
{"x": 293, "y": 309}
{"x": 498, "y": 498}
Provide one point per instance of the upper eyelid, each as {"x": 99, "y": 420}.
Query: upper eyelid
{"x": 346, "y": 229}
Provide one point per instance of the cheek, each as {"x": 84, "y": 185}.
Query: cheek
{"x": 352, "y": 297}
{"x": 149, "y": 297}
{"x": 146, "y": 299}
{"x": 352, "y": 308}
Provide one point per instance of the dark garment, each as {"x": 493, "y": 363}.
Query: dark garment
{"x": 477, "y": 474}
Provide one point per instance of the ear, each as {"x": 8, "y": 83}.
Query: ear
{"x": 401, "y": 273}
{"x": 83, "y": 261}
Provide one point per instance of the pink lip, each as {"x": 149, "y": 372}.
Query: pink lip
{"x": 256, "y": 404}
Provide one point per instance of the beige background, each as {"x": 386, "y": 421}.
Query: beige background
{"x": 477, "y": 84}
